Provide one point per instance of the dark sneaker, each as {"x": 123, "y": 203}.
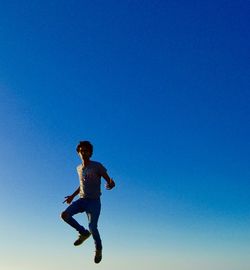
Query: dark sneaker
{"x": 82, "y": 238}
{"x": 98, "y": 255}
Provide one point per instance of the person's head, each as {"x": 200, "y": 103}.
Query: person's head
{"x": 84, "y": 149}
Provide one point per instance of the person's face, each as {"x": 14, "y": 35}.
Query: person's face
{"x": 84, "y": 153}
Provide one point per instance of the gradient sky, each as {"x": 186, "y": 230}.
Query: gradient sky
{"x": 161, "y": 88}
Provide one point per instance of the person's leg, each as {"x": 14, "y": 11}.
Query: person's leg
{"x": 93, "y": 213}
{"x": 76, "y": 207}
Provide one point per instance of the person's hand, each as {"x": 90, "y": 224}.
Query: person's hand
{"x": 110, "y": 185}
{"x": 68, "y": 199}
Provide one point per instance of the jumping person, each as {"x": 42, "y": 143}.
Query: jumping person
{"x": 90, "y": 174}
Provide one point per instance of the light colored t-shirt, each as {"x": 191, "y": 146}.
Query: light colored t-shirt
{"x": 90, "y": 179}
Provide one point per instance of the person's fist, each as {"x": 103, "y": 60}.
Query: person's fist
{"x": 110, "y": 185}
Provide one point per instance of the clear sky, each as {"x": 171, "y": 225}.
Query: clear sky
{"x": 161, "y": 88}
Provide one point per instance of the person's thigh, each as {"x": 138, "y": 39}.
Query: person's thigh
{"x": 76, "y": 207}
{"x": 93, "y": 211}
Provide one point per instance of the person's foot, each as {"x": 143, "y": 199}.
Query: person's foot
{"x": 82, "y": 238}
{"x": 98, "y": 255}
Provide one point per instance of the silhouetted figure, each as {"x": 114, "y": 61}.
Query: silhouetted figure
{"x": 90, "y": 174}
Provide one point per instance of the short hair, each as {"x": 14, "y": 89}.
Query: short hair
{"x": 85, "y": 144}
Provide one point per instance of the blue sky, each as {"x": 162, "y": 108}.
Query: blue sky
{"x": 161, "y": 88}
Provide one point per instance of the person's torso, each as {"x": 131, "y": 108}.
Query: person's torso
{"x": 90, "y": 179}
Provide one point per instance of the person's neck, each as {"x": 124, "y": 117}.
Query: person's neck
{"x": 85, "y": 162}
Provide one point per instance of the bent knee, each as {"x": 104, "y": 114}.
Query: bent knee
{"x": 64, "y": 215}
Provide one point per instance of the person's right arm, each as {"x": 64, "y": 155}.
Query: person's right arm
{"x": 70, "y": 198}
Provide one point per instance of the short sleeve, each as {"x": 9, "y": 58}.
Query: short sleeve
{"x": 102, "y": 170}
